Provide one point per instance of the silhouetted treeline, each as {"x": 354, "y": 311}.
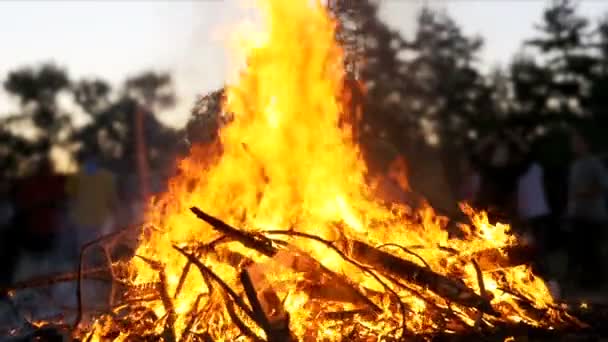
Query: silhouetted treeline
{"x": 428, "y": 89}
{"x": 50, "y": 102}
{"x": 421, "y": 92}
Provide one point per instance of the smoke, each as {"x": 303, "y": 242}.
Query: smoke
{"x": 204, "y": 65}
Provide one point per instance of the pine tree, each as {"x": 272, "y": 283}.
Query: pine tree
{"x": 38, "y": 90}
{"x": 562, "y": 75}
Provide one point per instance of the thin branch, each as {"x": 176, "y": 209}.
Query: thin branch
{"x": 406, "y": 251}
{"x": 200, "y": 249}
{"x": 83, "y": 249}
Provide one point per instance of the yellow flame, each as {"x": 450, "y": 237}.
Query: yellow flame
{"x": 288, "y": 161}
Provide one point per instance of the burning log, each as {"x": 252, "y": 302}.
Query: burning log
{"x": 299, "y": 263}
{"x": 443, "y": 286}
{"x": 493, "y": 259}
{"x": 274, "y": 320}
{"x": 320, "y": 282}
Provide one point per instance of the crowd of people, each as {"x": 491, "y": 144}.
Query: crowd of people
{"x": 505, "y": 178}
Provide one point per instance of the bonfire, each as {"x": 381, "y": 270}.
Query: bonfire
{"x": 275, "y": 233}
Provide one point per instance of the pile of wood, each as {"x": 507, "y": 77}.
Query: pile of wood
{"x": 254, "y": 307}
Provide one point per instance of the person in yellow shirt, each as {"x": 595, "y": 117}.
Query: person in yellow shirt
{"x": 94, "y": 199}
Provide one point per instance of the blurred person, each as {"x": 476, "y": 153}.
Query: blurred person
{"x": 93, "y": 201}
{"x": 532, "y": 206}
{"x": 469, "y": 187}
{"x": 9, "y": 243}
{"x": 535, "y": 216}
{"x": 586, "y": 212}
{"x": 501, "y": 159}
{"x": 40, "y": 207}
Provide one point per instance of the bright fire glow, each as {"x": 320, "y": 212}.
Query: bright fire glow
{"x": 288, "y": 161}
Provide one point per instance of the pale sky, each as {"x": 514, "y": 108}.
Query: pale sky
{"x": 115, "y": 39}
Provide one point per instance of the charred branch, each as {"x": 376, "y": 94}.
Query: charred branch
{"x": 245, "y": 330}
{"x": 257, "y": 242}
{"x": 100, "y": 273}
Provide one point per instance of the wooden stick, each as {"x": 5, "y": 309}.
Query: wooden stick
{"x": 258, "y": 242}
{"x": 443, "y": 286}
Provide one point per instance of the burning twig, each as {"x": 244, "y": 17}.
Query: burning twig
{"x": 210, "y": 246}
{"x": 182, "y": 278}
{"x": 499, "y": 258}
{"x": 265, "y": 246}
{"x": 517, "y": 295}
{"x": 227, "y": 292}
{"x": 169, "y": 329}
{"x": 206, "y": 271}
{"x": 406, "y": 250}
{"x": 193, "y": 318}
{"x": 186, "y": 269}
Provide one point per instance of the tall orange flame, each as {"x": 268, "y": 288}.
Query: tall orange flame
{"x": 285, "y": 162}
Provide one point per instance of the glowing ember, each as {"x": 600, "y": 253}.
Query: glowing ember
{"x": 288, "y": 162}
